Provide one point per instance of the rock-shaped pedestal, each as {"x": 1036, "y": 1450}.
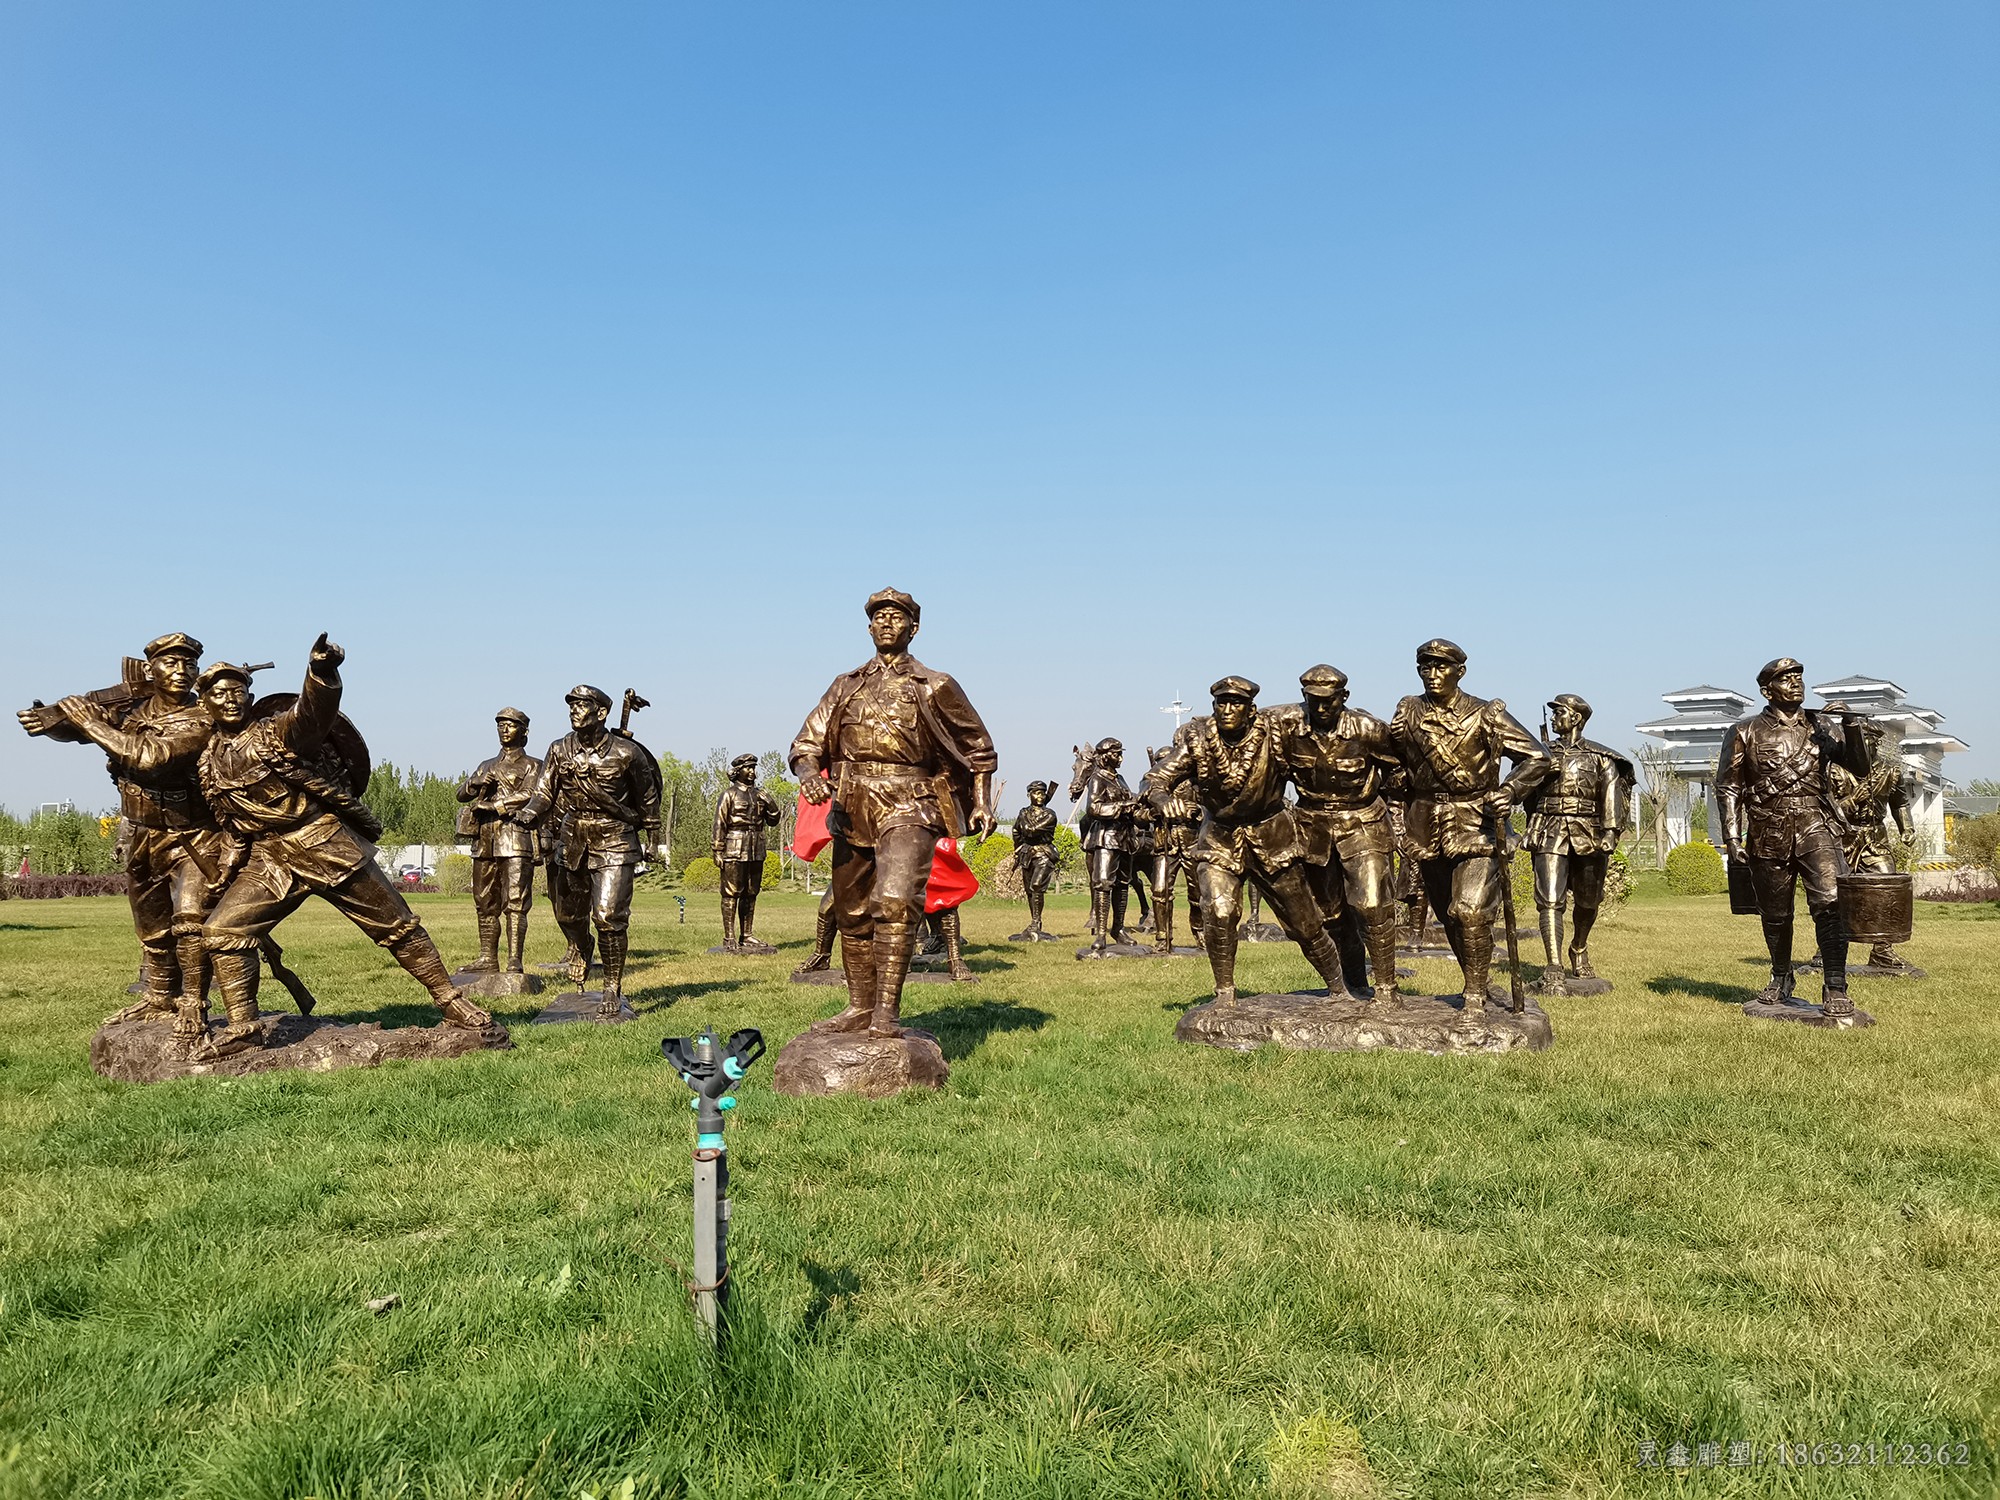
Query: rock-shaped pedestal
{"x": 1870, "y": 971}
{"x": 839, "y": 976}
{"x": 817, "y": 1063}
{"x": 492, "y": 985}
{"x": 147, "y": 1051}
{"x": 1032, "y": 936}
{"x": 583, "y": 1006}
{"x": 1407, "y": 1023}
{"x": 1801, "y": 1013}
{"x": 1572, "y": 985}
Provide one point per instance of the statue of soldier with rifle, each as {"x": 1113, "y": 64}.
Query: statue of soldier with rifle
{"x": 601, "y": 790}
{"x": 1452, "y": 746}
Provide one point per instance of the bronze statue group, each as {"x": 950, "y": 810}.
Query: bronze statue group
{"x": 235, "y": 808}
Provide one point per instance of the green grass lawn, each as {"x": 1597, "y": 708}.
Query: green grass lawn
{"x": 1099, "y": 1263}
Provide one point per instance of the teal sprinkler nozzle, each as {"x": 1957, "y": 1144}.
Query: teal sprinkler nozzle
{"x": 712, "y": 1068}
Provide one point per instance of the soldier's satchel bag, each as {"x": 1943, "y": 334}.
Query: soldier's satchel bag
{"x": 1742, "y": 889}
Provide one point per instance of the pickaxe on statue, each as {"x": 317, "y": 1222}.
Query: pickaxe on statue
{"x": 632, "y": 703}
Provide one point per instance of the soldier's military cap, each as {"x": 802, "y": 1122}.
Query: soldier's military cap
{"x": 896, "y": 597}
{"x": 1322, "y": 681}
{"x": 219, "y": 671}
{"x": 1110, "y": 742}
{"x": 177, "y": 643}
{"x": 589, "y": 694}
{"x": 1234, "y": 687}
{"x": 1440, "y": 649}
{"x": 743, "y": 760}
{"x": 1041, "y": 786}
{"x": 514, "y": 714}
{"x": 1570, "y": 700}
{"x": 1778, "y": 668}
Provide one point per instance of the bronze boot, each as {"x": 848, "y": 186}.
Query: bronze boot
{"x": 1163, "y": 924}
{"x": 1100, "y": 918}
{"x": 894, "y": 943}
{"x": 954, "y": 948}
{"x": 611, "y": 945}
{"x": 236, "y": 975}
{"x": 1477, "y": 947}
{"x": 422, "y": 962}
{"x": 857, "y": 957}
{"x": 822, "y": 954}
{"x": 159, "y": 971}
{"x": 488, "y": 961}
{"x": 517, "y": 941}
{"x": 1379, "y": 929}
{"x": 1552, "y": 946}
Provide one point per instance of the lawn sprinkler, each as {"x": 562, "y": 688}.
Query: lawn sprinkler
{"x": 712, "y": 1068}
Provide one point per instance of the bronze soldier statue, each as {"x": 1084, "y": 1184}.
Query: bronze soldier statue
{"x": 824, "y": 930}
{"x": 1035, "y": 856}
{"x": 1176, "y": 825}
{"x": 1576, "y": 816}
{"x": 1339, "y": 759}
{"x": 1235, "y": 762}
{"x": 503, "y": 852}
{"x": 1865, "y": 802}
{"x": 602, "y": 789}
{"x": 1109, "y": 837}
{"x": 1451, "y": 745}
{"x": 1413, "y": 924}
{"x": 910, "y": 762}
{"x": 742, "y": 813}
{"x": 152, "y": 731}
{"x": 1780, "y": 813}
{"x": 282, "y": 783}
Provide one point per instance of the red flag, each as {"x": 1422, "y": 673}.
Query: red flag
{"x": 952, "y": 881}
{"x": 809, "y": 834}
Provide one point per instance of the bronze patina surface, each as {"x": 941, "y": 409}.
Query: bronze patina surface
{"x": 742, "y": 814}
{"x": 1781, "y": 818}
{"x": 908, "y": 761}
{"x": 1576, "y": 815}
{"x": 598, "y": 794}
{"x": 503, "y": 858}
{"x": 1452, "y": 746}
{"x": 1035, "y": 857}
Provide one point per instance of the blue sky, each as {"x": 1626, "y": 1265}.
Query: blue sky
{"x": 1628, "y": 345}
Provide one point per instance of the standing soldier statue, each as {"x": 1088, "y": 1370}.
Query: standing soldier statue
{"x": 1781, "y": 816}
{"x": 152, "y": 732}
{"x": 1451, "y": 744}
{"x": 1865, "y": 802}
{"x": 1035, "y": 857}
{"x": 1234, "y": 760}
{"x": 908, "y": 761}
{"x": 1176, "y": 825}
{"x": 284, "y": 777}
{"x": 503, "y": 852}
{"x": 1109, "y": 836}
{"x": 1338, "y": 759}
{"x": 602, "y": 787}
{"x": 1575, "y": 818}
{"x": 742, "y": 813}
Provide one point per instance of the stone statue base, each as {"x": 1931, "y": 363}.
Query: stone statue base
{"x": 1572, "y": 985}
{"x": 839, "y": 976}
{"x": 496, "y": 986}
{"x": 1030, "y": 936}
{"x": 561, "y": 970}
{"x": 817, "y": 1063}
{"x": 575, "y": 1006}
{"x": 1406, "y": 1023}
{"x": 751, "y": 949}
{"x": 1137, "y": 950}
{"x": 1806, "y": 1014}
{"x": 1262, "y": 932}
{"x": 1867, "y": 971}
{"x": 146, "y": 1051}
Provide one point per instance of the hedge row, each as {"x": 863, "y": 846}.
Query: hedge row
{"x": 48, "y": 887}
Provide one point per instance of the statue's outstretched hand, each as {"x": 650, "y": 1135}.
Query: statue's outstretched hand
{"x": 815, "y": 789}
{"x": 325, "y": 654}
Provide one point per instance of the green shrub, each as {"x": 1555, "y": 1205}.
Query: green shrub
{"x": 985, "y": 858}
{"x": 702, "y": 875}
{"x": 1976, "y": 841}
{"x": 1696, "y": 869}
{"x": 455, "y": 874}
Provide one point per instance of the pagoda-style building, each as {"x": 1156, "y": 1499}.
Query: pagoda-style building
{"x": 1694, "y": 732}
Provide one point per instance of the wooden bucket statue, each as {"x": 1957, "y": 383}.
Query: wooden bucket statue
{"x": 1877, "y": 908}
